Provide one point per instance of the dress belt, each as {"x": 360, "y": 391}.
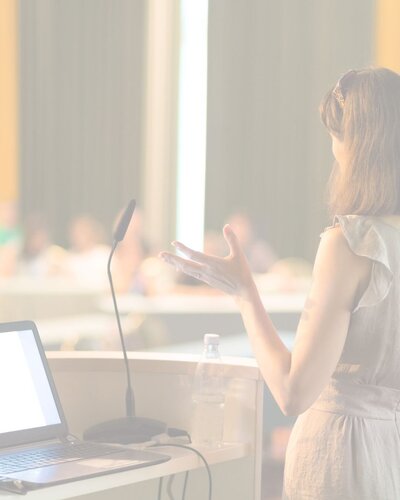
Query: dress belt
{"x": 358, "y": 399}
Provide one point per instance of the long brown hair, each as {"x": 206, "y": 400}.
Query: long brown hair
{"x": 363, "y": 111}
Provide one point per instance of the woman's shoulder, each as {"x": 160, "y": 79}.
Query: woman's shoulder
{"x": 346, "y": 220}
{"x": 364, "y": 221}
{"x": 368, "y": 236}
{"x": 339, "y": 240}
{"x": 343, "y": 238}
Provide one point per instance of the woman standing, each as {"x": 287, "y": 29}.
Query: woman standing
{"x": 342, "y": 377}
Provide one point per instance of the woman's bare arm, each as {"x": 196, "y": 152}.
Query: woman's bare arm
{"x": 295, "y": 379}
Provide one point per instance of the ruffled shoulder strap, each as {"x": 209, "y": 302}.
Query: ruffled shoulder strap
{"x": 364, "y": 236}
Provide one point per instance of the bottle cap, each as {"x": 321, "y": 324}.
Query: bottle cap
{"x": 211, "y": 338}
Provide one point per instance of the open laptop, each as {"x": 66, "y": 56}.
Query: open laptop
{"x": 36, "y": 448}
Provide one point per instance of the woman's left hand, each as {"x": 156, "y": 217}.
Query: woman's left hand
{"x": 231, "y": 274}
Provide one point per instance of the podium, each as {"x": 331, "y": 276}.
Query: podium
{"x": 92, "y": 389}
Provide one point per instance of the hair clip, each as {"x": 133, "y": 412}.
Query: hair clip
{"x": 337, "y": 92}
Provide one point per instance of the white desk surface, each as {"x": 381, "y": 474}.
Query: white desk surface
{"x": 195, "y": 304}
{"x": 97, "y": 326}
{"x": 150, "y": 362}
{"x": 230, "y": 345}
{"x": 94, "y": 326}
{"x": 21, "y": 285}
{"x": 181, "y": 460}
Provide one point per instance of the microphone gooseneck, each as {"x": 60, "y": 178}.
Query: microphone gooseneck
{"x": 129, "y": 429}
{"x": 129, "y": 398}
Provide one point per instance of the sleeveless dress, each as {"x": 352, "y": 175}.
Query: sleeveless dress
{"x": 346, "y": 445}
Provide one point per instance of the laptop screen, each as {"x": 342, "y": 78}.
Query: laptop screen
{"x": 27, "y": 400}
{"x": 26, "y": 389}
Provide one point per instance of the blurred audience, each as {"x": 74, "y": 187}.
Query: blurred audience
{"x": 259, "y": 252}
{"x": 39, "y": 257}
{"x": 87, "y": 257}
{"x": 10, "y": 238}
{"x": 215, "y": 244}
{"x": 292, "y": 274}
{"x": 159, "y": 277}
{"x": 30, "y": 252}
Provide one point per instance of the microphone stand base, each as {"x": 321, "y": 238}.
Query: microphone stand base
{"x": 126, "y": 430}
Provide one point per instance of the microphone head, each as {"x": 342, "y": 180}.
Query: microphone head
{"x": 123, "y": 224}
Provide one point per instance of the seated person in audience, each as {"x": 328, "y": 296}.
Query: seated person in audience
{"x": 291, "y": 274}
{"x": 39, "y": 257}
{"x": 88, "y": 255}
{"x": 259, "y": 253}
{"x": 157, "y": 277}
{"x": 10, "y": 238}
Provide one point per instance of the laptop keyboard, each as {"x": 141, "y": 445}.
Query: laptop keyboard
{"x": 42, "y": 457}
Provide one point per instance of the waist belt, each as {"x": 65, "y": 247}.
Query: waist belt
{"x": 357, "y": 399}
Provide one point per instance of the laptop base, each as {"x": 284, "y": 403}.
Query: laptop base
{"x": 85, "y": 468}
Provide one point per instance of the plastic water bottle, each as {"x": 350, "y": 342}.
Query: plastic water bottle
{"x": 208, "y": 396}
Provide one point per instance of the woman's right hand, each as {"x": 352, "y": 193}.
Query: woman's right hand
{"x": 231, "y": 274}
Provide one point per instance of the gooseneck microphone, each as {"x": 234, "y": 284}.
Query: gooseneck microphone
{"x": 119, "y": 235}
{"x": 129, "y": 429}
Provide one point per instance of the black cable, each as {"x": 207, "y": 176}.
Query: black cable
{"x": 185, "y": 481}
{"x": 169, "y": 487}
{"x": 160, "y": 482}
{"x": 173, "y": 432}
{"x": 199, "y": 455}
{"x": 185, "y": 485}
